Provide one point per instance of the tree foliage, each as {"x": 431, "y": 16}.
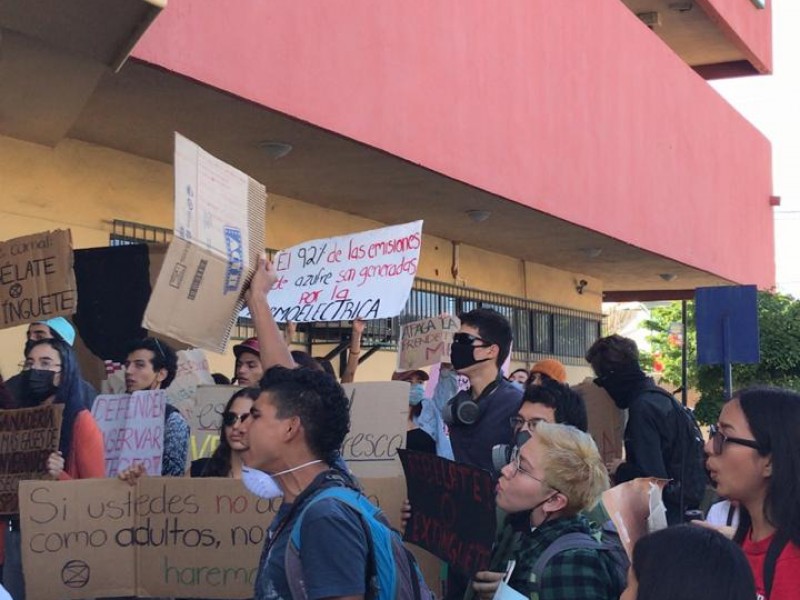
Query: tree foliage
{"x": 779, "y": 324}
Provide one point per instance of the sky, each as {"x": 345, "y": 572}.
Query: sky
{"x": 772, "y": 103}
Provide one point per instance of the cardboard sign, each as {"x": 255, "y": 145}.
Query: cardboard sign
{"x": 205, "y": 418}
{"x": 192, "y": 372}
{"x": 219, "y": 219}
{"x": 606, "y": 420}
{"x": 365, "y": 275}
{"x": 426, "y": 342}
{"x": 27, "y": 437}
{"x": 453, "y": 510}
{"x": 164, "y": 537}
{"x": 378, "y": 425}
{"x": 133, "y": 430}
{"x": 37, "y": 281}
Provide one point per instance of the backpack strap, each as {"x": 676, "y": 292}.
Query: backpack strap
{"x": 682, "y": 433}
{"x": 776, "y": 546}
{"x": 380, "y": 558}
{"x": 570, "y": 541}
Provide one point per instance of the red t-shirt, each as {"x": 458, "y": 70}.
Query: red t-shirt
{"x": 786, "y": 584}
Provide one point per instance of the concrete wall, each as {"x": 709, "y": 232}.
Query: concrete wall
{"x": 579, "y": 112}
{"x": 84, "y": 187}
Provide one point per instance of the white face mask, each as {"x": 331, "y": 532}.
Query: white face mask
{"x": 264, "y": 485}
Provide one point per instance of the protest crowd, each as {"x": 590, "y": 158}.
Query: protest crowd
{"x": 521, "y": 439}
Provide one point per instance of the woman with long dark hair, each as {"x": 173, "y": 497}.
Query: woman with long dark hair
{"x": 754, "y": 459}
{"x": 51, "y": 376}
{"x": 226, "y": 460}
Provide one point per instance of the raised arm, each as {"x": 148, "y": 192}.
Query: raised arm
{"x": 274, "y": 350}
{"x": 354, "y": 351}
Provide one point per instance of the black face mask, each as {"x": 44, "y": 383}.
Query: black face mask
{"x": 463, "y": 356}
{"x": 37, "y": 384}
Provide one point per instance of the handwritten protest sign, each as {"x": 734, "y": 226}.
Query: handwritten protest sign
{"x": 205, "y": 418}
{"x": 365, "y": 275}
{"x": 133, "y": 430}
{"x": 37, "y": 281}
{"x": 426, "y": 342}
{"x": 453, "y": 510}
{"x": 378, "y": 425}
{"x": 164, "y": 537}
{"x": 219, "y": 234}
{"x": 27, "y": 437}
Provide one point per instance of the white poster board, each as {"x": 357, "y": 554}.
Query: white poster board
{"x": 366, "y": 275}
{"x": 133, "y": 430}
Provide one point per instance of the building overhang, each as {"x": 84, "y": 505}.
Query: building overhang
{"x": 583, "y": 164}
{"x": 53, "y": 53}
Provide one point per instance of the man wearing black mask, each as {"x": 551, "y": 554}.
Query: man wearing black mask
{"x": 652, "y": 433}
{"x": 479, "y": 417}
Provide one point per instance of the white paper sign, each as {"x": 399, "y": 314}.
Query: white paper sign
{"x": 133, "y": 430}
{"x": 365, "y": 275}
{"x": 211, "y": 203}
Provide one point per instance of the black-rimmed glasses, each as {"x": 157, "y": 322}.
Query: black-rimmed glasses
{"x": 518, "y": 423}
{"x": 516, "y": 457}
{"x": 467, "y": 339}
{"x": 719, "y": 439}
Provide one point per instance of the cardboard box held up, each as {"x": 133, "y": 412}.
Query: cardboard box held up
{"x": 219, "y": 234}
{"x": 37, "y": 281}
{"x": 606, "y": 421}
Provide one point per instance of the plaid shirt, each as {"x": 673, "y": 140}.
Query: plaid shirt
{"x": 578, "y": 574}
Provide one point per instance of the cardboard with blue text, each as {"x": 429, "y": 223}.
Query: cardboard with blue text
{"x": 219, "y": 234}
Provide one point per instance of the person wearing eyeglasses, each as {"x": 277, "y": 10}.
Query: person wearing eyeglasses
{"x": 548, "y": 402}
{"x": 151, "y": 365}
{"x": 57, "y": 328}
{"x": 478, "y": 417}
{"x": 226, "y": 461}
{"x": 551, "y": 402}
{"x": 553, "y": 478}
{"x": 50, "y": 376}
{"x": 754, "y": 459}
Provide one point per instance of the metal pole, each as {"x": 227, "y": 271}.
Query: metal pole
{"x": 684, "y": 355}
{"x": 727, "y": 370}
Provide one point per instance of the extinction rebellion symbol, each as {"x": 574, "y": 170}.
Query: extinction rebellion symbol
{"x": 75, "y": 574}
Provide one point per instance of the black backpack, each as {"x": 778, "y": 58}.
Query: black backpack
{"x": 688, "y": 486}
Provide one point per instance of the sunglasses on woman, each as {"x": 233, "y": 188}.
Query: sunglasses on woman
{"x": 719, "y": 439}
{"x": 229, "y": 419}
